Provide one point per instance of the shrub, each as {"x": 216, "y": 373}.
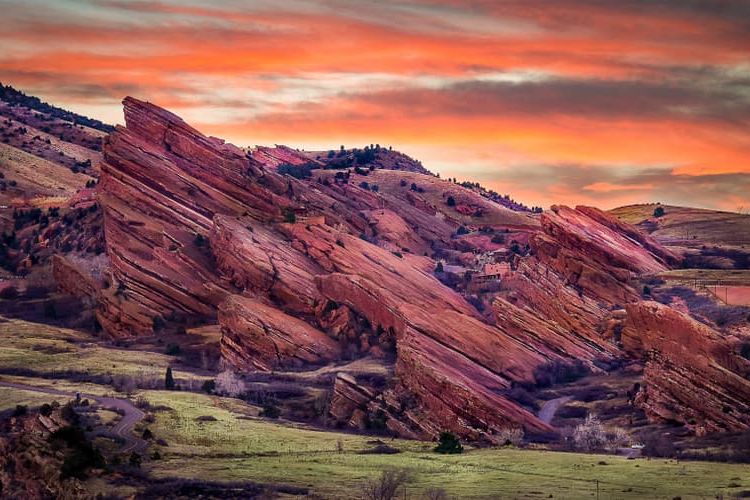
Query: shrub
{"x": 297, "y": 171}
{"x": 659, "y": 212}
{"x": 402, "y": 183}
{"x": 230, "y": 384}
{"x": 147, "y": 434}
{"x": 135, "y": 460}
{"x": 451, "y": 201}
{"x": 511, "y": 436}
{"x": 498, "y": 239}
{"x": 20, "y": 410}
{"x": 449, "y": 444}
{"x": 439, "y": 267}
{"x": 658, "y": 446}
{"x": 388, "y": 486}
{"x": 462, "y": 230}
{"x": 289, "y": 216}
{"x": 270, "y": 411}
{"x": 173, "y": 349}
{"x": 209, "y": 386}
{"x": 592, "y": 435}
{"x": 9, "y": 293}
{"x": 557, "y": 372}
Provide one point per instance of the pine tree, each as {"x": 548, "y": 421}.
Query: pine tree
{"x": 169, "y": 379}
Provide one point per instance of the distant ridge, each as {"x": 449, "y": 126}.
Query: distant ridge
{"x": 13, "y": 96}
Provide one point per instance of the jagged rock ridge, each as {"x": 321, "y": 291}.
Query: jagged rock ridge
{"x": 304, "y": 272}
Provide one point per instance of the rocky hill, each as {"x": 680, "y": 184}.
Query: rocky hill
{"x": 303, "y": 269}
{"x": 302, "y": 263}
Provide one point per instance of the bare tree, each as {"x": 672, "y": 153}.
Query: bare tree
{"x": 388, "y": 486}
{"x": 436, "y": 494}
{"x": 230, "y": 384}
{"x": 511, "y": 435}
{"x": 592, "y": 435}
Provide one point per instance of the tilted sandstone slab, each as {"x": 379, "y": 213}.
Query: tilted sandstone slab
{"x": 258, "y": 336}
{"x": 161, "y": 184}
{"x": 692, "y": 374}
{"x": 591, "y": 256}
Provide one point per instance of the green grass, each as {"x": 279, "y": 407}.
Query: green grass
{"x": 233, "y": 448}
{"x": 11, "y": 397}
{"x": 48, "y": 349}
{"x": 240, "y": 446}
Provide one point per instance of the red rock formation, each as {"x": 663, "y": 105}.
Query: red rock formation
{"x": 273, "y": 157}
{"x": 194, "y": 226}
{"x": 349, "y": 402}
{"x": 257, "y": 336}
{"x": 161, "y": 184}
{"x": 591, "y": 256}
{"x": 666, "y": 255}
{"x": 692, "y": 374}
{"x": 73, "y": 280}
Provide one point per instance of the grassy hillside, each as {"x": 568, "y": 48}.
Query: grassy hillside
{"x": 212, "y": 438}
{"x": 689, "y": 226}
{"x": 434, "y": 192}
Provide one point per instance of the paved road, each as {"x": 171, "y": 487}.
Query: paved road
{"x": 549, "y": 408}
{"x": 123, "y": 428}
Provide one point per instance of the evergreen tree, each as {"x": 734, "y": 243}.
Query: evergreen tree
{"x": 169, "y": 379}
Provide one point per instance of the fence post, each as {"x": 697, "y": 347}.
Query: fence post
{"x": 597, "y": 489}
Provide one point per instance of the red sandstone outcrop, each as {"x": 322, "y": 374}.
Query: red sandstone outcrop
{"x": 666, "y": 255}
{"x": 196, "y": 227}
{"x": 257, "y": 336}
{"x": 692, "y": 374}
{"x": 591, "y": 256}
{"x": 280, "y": 154}
{"x": 73, "y": 280}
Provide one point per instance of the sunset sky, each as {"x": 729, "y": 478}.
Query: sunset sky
{"x": 551, "y": 101}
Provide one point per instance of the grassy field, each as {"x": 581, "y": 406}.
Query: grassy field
{"x": 728, "y": 276}
{"x": 230, "y": 443}
{"x": 10, "y": 398}
{"x": 51, "y": 350}
{"x": 235, "y": 447}
{"x": 690, "y": 226}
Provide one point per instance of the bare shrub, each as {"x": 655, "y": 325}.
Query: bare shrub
{"x": 592, "y": 435}
{"x": 124, "y": 383}
{"x": 230, "y": 384}
{"x": 512, "y": 436}
{"x": 436, "y": 494}
{"x": 389, "y": 485}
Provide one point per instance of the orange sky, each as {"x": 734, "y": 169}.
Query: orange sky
{"x": 551, "y": 101}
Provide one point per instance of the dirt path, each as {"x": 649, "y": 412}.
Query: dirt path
{"x": 549, "y": 408}
{"x": 123, "y": 428}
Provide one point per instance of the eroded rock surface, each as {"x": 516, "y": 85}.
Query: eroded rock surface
{"x": 307, "y": 272}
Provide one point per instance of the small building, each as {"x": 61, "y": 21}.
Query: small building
{"x": 493, "y": 272}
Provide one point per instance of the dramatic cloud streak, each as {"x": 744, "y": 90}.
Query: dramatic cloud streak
{"x": 553, "y": 100}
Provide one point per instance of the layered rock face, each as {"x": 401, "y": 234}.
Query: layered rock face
{"x": 161, "y": 184}
{"x": 307, "y": 272}
{"x": 586, "y": 248}
{"x": 693, "y": 375}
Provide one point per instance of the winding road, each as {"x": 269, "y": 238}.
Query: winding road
{"x": 122, "y": 429}
{"x": 549, "y": 408}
